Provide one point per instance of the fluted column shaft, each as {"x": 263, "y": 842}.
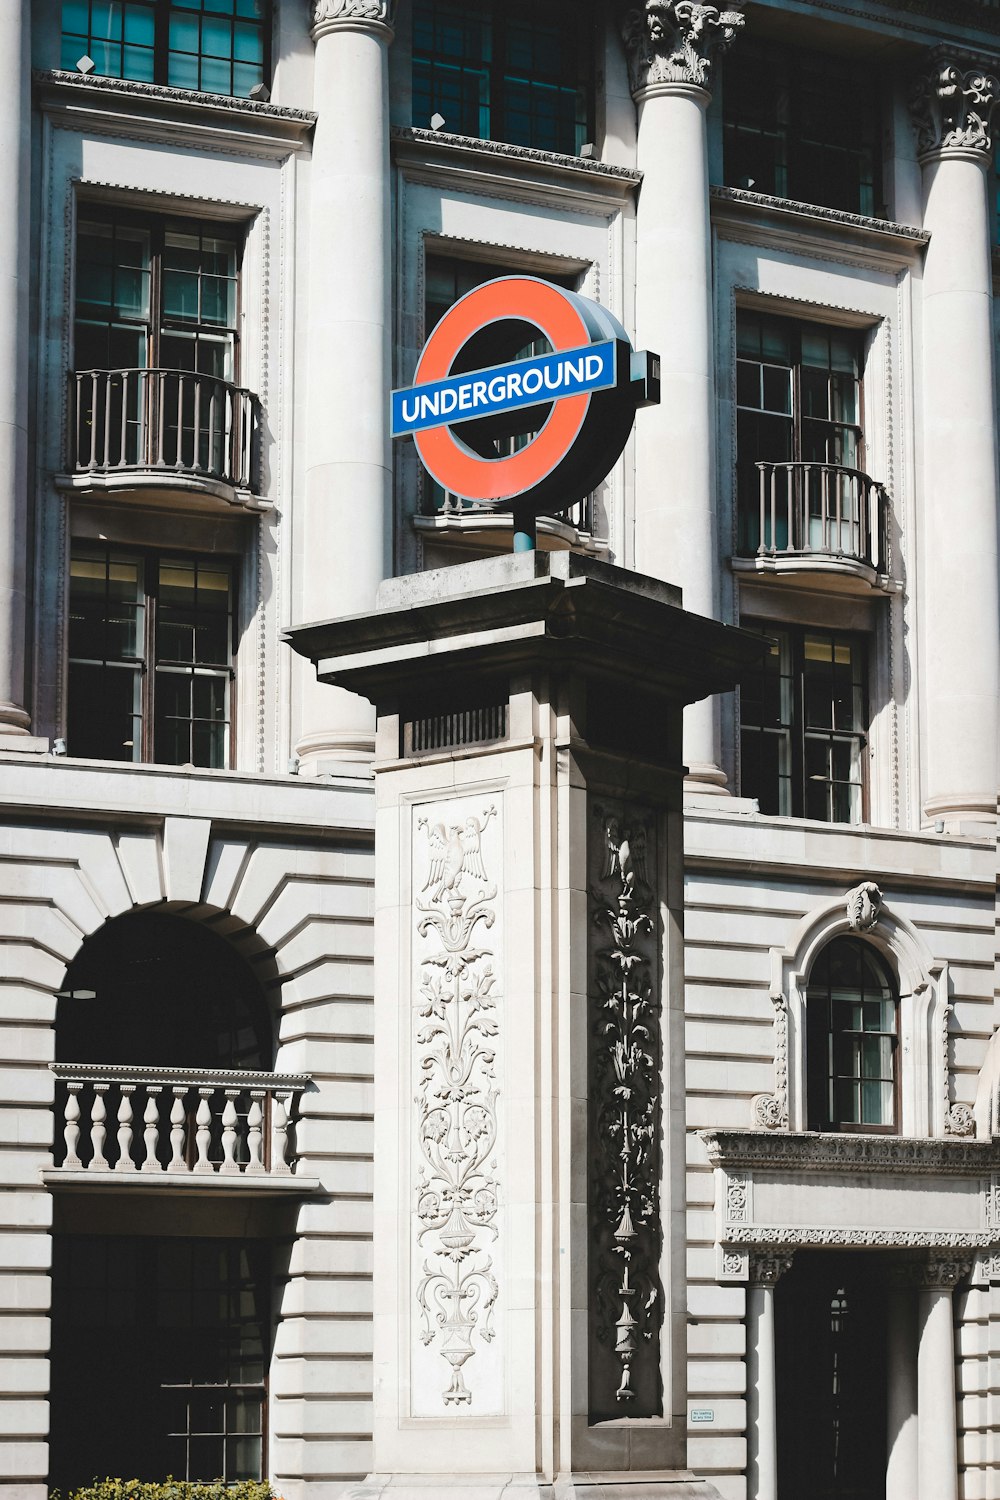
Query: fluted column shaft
{"x": 15, "y": 173}
{"x": 960, "y": 614}
{"x": 676, "y": 533}
{"x": 346, "y": 532}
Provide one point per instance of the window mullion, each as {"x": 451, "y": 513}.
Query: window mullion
{"x": 797, "y": 643}
{"x": 161, "y": 41}
{"x": 151, "y": 595}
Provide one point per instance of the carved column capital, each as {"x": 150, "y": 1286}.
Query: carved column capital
{"x": 768, "y": 1266}
{"x": 676, "y": 42}
{"x": 945, "y": 1269}
{"x": 377, "y": 16}
{"x": 952, "y": 103}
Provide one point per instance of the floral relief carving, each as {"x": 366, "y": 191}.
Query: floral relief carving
{"x": 770, "y": 1111}
{"x": 737, "y": 1198}
{"x": 326, "y": 14}
{"x": 953, "y": 104}
{"x": 861, "y": 1239}
{"x": 457, "y": 1189}
{"x": 676, "y": 42}
{"x": 945, "y": 1270}
{"x": 626, "y": 1236}
{"x": 766, "y": 1268}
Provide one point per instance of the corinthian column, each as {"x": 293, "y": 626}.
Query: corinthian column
{"x": 671, "y": 49}
{"x": 344, "y": 544}
{"x": 766, "y": 1270}
{"x": 936, "y": 1420}
{"x": 953, "y": 107}
{"x": 15, "y": 131}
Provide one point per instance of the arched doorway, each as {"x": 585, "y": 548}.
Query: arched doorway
{"x": 161, "y": 1304}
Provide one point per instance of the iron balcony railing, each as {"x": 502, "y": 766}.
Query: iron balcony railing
{"x": 171, "y": 421}
{"x": 809, "y": 508}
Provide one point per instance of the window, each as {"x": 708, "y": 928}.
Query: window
{"x": 801, "y": 484}
{"x": 217, "y": 46}
{"x": 155, "y": 293}
{"x": 803, "y": 126}
{"x": 189, "y": 1399}
{"x": 505, "y": 70}
{"x": 151, "y": 646}
{"x": 802, "y": 725}
{"x": 851, "y": 1024}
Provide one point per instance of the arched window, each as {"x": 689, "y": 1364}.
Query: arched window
{"x": 852, "y": 1024}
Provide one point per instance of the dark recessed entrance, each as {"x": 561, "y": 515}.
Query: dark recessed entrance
{"x": 830, "y": 1339}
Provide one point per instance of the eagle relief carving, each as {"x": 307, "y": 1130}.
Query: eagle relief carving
{"x": 457, "y": 1190}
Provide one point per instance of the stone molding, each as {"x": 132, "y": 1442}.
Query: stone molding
{"x": 817, "y": 211}
{"x": 228, "y": 103}
{"x": 670, "y": 42}
{"x": 770, "y": 1111}
{"x": 766, "y": 1268}
{"x": 586, "y": 166}
{"x": 952, "y": 103}
{"x": 811, "y": 1151}
{"x": 830, "y": 1237}
{"x": 377, "y": 16}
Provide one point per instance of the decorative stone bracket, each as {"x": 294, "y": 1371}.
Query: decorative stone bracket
{"x": 672, "y": 43}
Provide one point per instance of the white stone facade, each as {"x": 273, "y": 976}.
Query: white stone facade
{"x": 340, "y": 199}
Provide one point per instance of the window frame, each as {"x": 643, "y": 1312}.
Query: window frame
{"x": 824, "y": 1119}
{"x": 499, "y": 74}
{"x": 162, "y": 11}
{"x": 797, "y": 731}
{"x": 147, "y": 667}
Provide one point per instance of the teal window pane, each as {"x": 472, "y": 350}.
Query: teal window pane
{"x": 139, "y": 64}
{"x": 248, "y": 43}
{"x": 140, "y": 28}
{"x": 216, "y": 76}
{"x": 182, "y": 71}
{"x": 245, "y": 77}
{"x": 216, "y": 38}
{"x": 183, "y": 33}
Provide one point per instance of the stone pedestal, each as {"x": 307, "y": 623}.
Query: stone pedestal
{"x": 530, "y": 1287}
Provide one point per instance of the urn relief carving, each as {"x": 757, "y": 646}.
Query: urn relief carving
{"x": 456, "y": 1035}
{"x": 676, "y": 42}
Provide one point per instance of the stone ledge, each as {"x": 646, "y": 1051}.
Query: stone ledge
{"x": 809, "y": 1151}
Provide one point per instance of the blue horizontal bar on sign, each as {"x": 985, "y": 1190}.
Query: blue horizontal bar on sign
{"x": 486, "y": 393}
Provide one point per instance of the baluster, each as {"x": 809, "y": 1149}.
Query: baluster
{"x": 179, "y": 455}
{"x": 123, "y": 426}
{"x": 203, "y": 1135}
{"x": 93, "y": 421}
{"x": 196, "y": 427}
{"x": 112, "y": 382}
{"x": 840, "y": 515}
{"x": 177, "y": 1117}
{"x": 98, "y": 1132}
{"x": 255, "y": 1136}
{"x": 79, "y": 417}
{"x": 279, "y": 1134}
{"x": 125, "y": 1162}
{"x": 215, "y": 468}
{"x": 229, "y": 1163}
{"x": 71, "y": 1134}
{"x": 761, "y": 505}
{"x": 151, "y": 1132}
{"x": 160, "y": 397}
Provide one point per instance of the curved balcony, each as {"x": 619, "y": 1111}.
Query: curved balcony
{"x": 172, "y": 428}
{"x": 816, "y": 517}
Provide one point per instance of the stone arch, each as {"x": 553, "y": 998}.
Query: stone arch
{"x": 923, "y": 1015}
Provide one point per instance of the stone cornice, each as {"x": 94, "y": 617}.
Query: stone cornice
{"x": 171, "y": 110}
{"x": 492, "y": 166}
{"x": 671, "y": 42}
{"x": 336, "y": 15}
{"x": 816, "y": 211}
{"x": 578, "y": 164}
{"x": 828, "y": 234}
{"x": 953, "y": 103}
{"x": 807, "y": 1151}
{"x": 958, "y": 13}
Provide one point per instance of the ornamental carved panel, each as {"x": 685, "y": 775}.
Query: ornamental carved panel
{"x": 457, "y": 1138}
{"x": 624, "y": 1115}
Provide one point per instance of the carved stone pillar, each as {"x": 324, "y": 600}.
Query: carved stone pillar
{"x": 15, "y": 131}
{"x": 530, "y": 1281}
{"x": 344, "y": 537}
{"x": 766, "y": 1270}
{"x": 937, "y": 1418}
{"x": 671, "y": 49}
{"x": 902, "y": 1434}
{"x": 953, "y": 105}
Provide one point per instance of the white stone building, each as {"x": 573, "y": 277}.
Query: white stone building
{"x": 228, "y": 227}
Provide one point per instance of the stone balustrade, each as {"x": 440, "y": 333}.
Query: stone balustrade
{"x": 188, "y": 1122}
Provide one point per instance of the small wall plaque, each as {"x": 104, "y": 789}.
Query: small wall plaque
{"x": 703, "y": 1414}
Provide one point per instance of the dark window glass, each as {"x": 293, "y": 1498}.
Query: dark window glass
{"x": 217, "y": 46}
{"x": 798, "y": 404}
{"x": 190, "y": 1398}
{"x": 151, "y": 649}
{"x": 803, "y": 126}
{"x": 505, "y": 70}
{"x": 851, "y": 1016}
{"x": 803, "y": 719}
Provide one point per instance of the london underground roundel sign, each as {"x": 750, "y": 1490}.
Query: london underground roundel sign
{"x": 469, "y": 396}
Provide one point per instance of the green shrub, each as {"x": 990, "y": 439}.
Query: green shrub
{"x": 169, "y": 1489}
